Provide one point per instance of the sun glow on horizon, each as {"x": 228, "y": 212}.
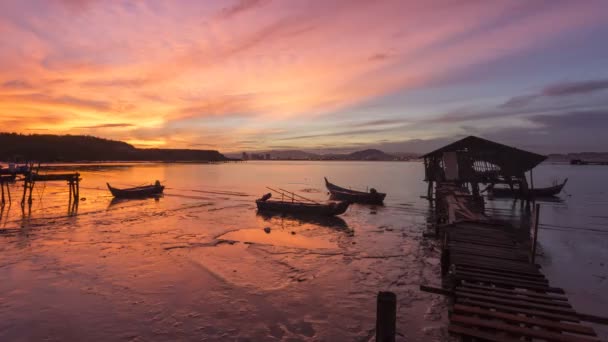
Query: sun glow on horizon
{"x": 252, "y": 75}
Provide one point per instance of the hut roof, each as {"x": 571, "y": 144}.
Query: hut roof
{"x": 509, "y": 159}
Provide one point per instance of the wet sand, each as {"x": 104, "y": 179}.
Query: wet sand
{"x": 198, "y": 264}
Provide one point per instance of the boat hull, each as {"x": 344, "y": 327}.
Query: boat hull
{"x": 298, "y": 208}
{"x": 138, "y": 192}
{"x": 551, "y": 191}
{"x": 343, "y": 194}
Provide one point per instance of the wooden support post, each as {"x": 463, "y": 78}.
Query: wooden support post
{"x": 386, "y": 317}
{"x": 2, "y": 185}
{"x": 531, "y": 180}
{"x": 535, "y": 236}
{"x": 24, "y": 192}
{"x": 77, "y": 188}
{"x": 29, "y": 200}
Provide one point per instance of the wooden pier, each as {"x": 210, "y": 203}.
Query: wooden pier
{"x": 497, "y": 291}
{"x": 72, "y": 179}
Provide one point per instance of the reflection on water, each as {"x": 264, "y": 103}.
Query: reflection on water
{"x": 334, "y": 222}
{"x": 200, "y": 264}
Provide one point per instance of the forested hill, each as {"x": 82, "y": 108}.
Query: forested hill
{"x": 74, "y": 148}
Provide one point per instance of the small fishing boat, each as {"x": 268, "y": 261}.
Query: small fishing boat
{"x": 531, "y": 193}
{"x": 137, "y": 192}
{"x": 293, "y": 207}
{"x": 343, "y": 194}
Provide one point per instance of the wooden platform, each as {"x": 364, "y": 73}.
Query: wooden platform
{"x": 497, "y": 293}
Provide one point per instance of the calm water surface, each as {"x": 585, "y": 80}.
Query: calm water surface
{"x": 198, "y": 265}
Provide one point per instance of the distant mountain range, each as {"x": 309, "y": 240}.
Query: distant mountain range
{"x": 77, "y": 148}
{"x": 369, "y": 154}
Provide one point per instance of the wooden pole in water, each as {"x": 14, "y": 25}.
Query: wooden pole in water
{"x": 2, "y": 185}
{"x": 24, "y": 191}
{"x": 386, "y": 317}
{"x": 535, "y": 237}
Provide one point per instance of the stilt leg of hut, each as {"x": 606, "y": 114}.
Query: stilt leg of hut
{"x": 8, "y": 191}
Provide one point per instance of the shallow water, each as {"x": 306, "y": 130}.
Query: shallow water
{"x": 197, "y": 264}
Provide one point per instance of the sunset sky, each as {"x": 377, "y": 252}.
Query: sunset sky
{"x": 315, "y": 75}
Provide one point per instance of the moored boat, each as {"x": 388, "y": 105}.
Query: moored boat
{"x": 137, "y": 192}
{"x": 550, "y": 191}
{"x": 265, "y": 204}
{"x": 343, "y": 194}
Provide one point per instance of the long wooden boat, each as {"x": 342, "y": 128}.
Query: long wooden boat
{"x": 532, "y": 193}
{"x": 264, "y": 204}
{"x": 343, "y": 194}
{"x": 137, "y": 192}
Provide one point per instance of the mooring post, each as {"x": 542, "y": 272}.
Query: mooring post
{"x": 386, "y": 316}
{"x": 77, "y": 187}
{"x": 535, "y": 236}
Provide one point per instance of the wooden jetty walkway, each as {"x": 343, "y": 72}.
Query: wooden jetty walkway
{"x": 497, "y": 291}
{"x": 32, "y": 176}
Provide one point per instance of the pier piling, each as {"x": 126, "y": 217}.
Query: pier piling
{"x": 386, "y": 317}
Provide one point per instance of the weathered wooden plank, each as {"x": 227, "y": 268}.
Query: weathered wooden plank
{"x": 506, "y": 256}
{"x": 519, "y": 292}
{"x": 508, "y": 283}
{"x": 515, "y": 272}
{"x": 561, "y": 326}
{"x": 537, "y": 282}
{"x": 518, "y": 303}
{"x": 491, "y": 262}
{"x": 486, "y": 336}
{"x": 516, "y": 297}
{"x": 514, "y": 329}
{"x": 538, "y": 276}
{"x": 518, "y": 310}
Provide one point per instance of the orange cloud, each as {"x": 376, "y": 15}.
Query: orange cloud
{"x": 180, "y": 75}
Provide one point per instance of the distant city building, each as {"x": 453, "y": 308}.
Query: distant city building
{"x": 245, "y": 156}
{"x": 267, "y": 156}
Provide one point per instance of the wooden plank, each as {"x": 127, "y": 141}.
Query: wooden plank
{"x": 493, "y": 263}
{"x": 514, "y": 296}
{"x": 538, "y": 276}
{"x": 466, "y": 331}
{"x": 533, "y": 272}
{"x": 507, "y": 257}
{"x": 524, "y": 293}
{"x": 494, "y": 281}
{"x": 536, "y": 282}
{"x": 514, "y": 329}
{"x": 518, "y": 303}
{"x": 568, "y": 327}
{"x": 517, "y": 310}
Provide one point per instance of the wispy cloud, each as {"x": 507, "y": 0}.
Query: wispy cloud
{"x": 242, "y": 6}
{"x": 183, "y": 72}
{"x": 110, "y": 125}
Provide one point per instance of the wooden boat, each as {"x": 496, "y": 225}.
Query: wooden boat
{"x": 137, "y": 192}
{"x": 293, "y": 207}
{"x": 343, "y": 194}
{"x": 532, "y": 193}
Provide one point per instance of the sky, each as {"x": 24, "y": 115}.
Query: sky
{"x": 245, "y": 75}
